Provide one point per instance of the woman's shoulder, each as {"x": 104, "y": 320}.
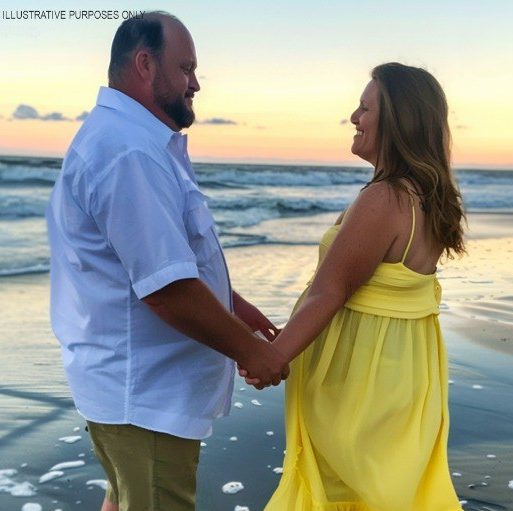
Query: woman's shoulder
{"x": 383, "y": 205}
{"x": 383, "y": 196}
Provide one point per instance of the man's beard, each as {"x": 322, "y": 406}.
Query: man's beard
{"x": 182, "y": 115}
{"x": 177, "y": 110}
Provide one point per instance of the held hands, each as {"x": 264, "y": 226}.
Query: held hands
{"x": 265, "y": 367}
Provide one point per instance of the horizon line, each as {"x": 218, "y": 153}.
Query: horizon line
{"x": 281, "y": 161}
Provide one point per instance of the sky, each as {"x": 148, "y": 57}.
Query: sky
{"x": 279, "y": 78}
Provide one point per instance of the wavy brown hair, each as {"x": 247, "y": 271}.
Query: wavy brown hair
{"x": 414, "y": 145}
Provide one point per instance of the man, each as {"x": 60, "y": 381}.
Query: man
{"x": 141, "y": 297}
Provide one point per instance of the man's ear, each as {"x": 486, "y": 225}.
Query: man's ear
{"x": 145, "y": 66}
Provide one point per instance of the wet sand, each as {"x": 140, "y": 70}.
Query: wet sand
{"x": 477, "y": 318}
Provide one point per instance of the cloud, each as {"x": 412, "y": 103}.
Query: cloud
{"x": 344, "y": 121}
{"x": 24, "y": 112}
{"x": 218, "y": 121}
{"x": 54, "y": 116}
{"x": 82, "y": 116}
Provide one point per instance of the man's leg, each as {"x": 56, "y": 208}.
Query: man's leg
{"x": 109, "y": 506}
{"x": 110, "y": 502}
{"x": 147, "y": 471}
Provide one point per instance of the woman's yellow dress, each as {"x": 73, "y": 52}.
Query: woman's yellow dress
{"x": 366, "y": 403}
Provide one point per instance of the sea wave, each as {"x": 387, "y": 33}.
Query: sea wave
{"x": 24, "y": 270}
{"x": 31, "y": 161}
{"x": 280, "y": 190}
{"x": 43, "y": 171}
{"x": 284, "y": 204}
{"x": 296, "y": 176}
{"x": 16, "y": 206}
{"x": 251, "y": 210}
{"x": 27, "y": 176}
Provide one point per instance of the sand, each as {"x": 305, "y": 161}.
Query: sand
{"x": 40, "y": 431}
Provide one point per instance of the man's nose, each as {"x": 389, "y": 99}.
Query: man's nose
{"x": 193, "y": 83}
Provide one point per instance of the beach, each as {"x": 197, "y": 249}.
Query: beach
{"x": 39, "y": 428}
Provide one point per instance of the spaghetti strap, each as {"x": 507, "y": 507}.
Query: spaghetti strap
{"x": 406, "y": 250}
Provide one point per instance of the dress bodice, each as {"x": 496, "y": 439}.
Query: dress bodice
{"x": 394, "y": 290}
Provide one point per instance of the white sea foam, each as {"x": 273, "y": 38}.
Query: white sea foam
{"x": 101, "y": 483}
{"x": 477, "y": 387}
{"x": 14, "y": 488}
{"x": 256, "y": 402}
{"x": 510, "y": 485}
{"x": 233, "y": 439}
{"x": 278, "y": 470}
{"x": 491, "y": 456}
{"x": 68, "y": 464}
{"x": 269, "y": 433}
{"x": 70, "y": 439}
{"x": 50, "y": 476}
{"x": 238, "y": 404}
{"x": 32, "y": 506}
{"x": 233, "y": 487}
{"x": 241, "y": 508}
{"x": 24, "y": 489}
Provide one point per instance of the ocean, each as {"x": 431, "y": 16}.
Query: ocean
{"x": 252, "y": 204}
{"x": 269, "y": 217}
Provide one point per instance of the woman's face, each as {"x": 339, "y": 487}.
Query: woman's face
{"x": 365, "y": 119}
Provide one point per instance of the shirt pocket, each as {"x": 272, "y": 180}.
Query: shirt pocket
{"x": 201, "y": 227}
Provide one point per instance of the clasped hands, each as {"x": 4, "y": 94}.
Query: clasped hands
{"x": 264, "y": 367}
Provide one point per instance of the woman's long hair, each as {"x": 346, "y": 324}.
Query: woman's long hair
{"x": 414, "y": 144}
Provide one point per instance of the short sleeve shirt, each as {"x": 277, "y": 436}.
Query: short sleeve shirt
{"x": 125, "y": 219}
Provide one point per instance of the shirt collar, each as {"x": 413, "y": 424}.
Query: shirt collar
{"x": 117, "y": 100}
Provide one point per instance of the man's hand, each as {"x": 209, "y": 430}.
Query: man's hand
{"x": 264, "y": 367}
{"x": 257, "y": 321}
{"x": 189, "y": 306}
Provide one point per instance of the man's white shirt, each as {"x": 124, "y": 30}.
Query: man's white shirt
{"x": 125, "y": 219}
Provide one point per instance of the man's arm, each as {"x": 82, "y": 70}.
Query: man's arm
{"x": 190, "y": 307}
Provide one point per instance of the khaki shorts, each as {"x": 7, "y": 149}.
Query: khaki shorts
{"x": 147, "y": 470}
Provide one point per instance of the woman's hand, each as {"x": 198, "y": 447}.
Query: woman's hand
{"x": 255, "y": 382}
{"x": 255, "y": 320}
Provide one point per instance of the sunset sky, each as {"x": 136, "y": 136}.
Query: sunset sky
{"x": 279, "y": 78}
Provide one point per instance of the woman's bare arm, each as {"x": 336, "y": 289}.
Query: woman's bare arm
{"x": 369, "y": 228}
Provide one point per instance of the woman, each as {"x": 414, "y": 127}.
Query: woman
{"x": 366, "y": 401}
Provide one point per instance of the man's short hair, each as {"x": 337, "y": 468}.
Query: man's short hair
{"x": 132, "y": 35}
